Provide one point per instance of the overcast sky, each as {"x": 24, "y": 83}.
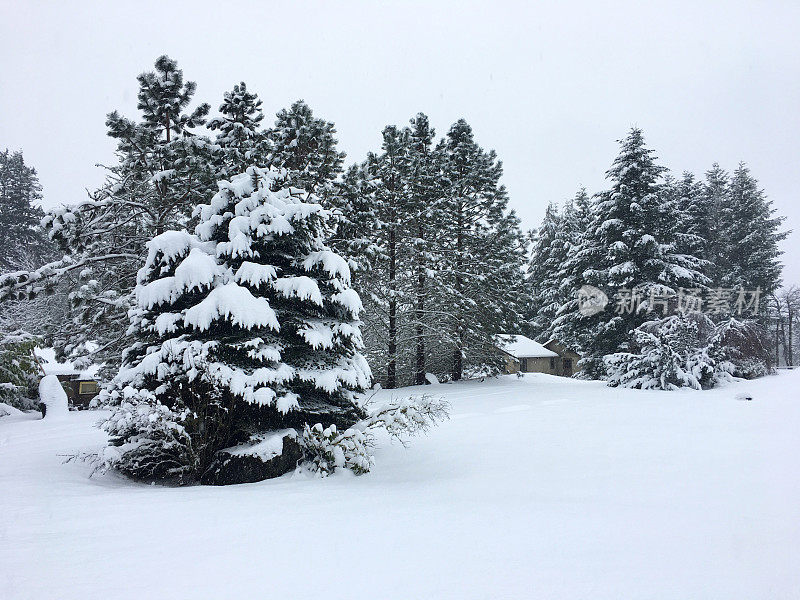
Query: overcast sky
{"x": 549, "y": 86}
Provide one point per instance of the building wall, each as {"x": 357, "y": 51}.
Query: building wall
{"x": 539, "y": 365}
{"x": 564, "y": 353}
{"x": 512, "y": 365}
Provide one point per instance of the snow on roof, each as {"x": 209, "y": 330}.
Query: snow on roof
{"x": 51, "y": 366}
{"x": 520, "y": 346}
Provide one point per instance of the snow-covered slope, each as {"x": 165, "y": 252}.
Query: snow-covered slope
{"x": 536, "y": 488}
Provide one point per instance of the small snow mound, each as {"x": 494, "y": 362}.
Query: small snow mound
{"x": 53, "y": 397}
{"x": 265, "y": 447}
{"x": 431, "y": 378}
{"x": 7, "y": 410}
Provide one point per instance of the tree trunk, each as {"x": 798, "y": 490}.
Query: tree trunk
{"x": 458, "y": 356}
{"x": 419, "y": 376}
{"x": 391, "y": 370}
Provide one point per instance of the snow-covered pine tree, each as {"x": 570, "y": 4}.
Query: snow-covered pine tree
{"x": 686, "y": 218}
{"x": 22, "y": 244}
{"x": 391, "y": 212}
{"x": 19, "y": 372}
{"x": 752, "y": 237}
{"x": 544, "y": 267}
{"x": 164, "y": 170}
{"x": 239, "y": 133}
{"x": 717, "y": 219}
{"x": 483, "y": 252}
{"x": 426, "y": 216}
{"x": 569, "y": 327}
{"x": 305, "y": 146}
{"x": 390, "y": 285}
{"x": 246, "y": 327}
{"x": 681, "y": 350}
{"x": 627, "y": 248}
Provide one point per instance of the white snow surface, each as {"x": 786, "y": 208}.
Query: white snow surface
{"x": 7, "y": 409}
{"x": 267, "y": 447}
{"x": 53, "y": 396}
{"x": 539, "y": 487}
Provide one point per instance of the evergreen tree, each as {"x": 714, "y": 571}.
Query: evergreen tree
{"x": 483, "y": 252}
{"x": 685, "y": 218}
{"x": 305, "y": 146}
{"x": 391, "y": 212}
{"x": 543, "y": 271}
{"x": 164, "y": 170}
{"x": 390, "y": 293}
{"x": 239, "y": 132}
{"x": 22, "y": 244}
{"x": 717, "y": 221}
{"x": 752, "y": 237}
{"x": 626, "y": 252}
{"x": 248, "y": 326}
{"x": 426, "y": 216}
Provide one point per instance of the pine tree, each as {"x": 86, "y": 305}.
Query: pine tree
{"x": 685, "y": 218}
{"x": 164, "y": 170}
{"x": 391, "y": 213}
{"x": 627, "y": 251}
{"x": 248, "y": 326}
{"x": 239, "y": 132}
{"x": 22, "y": 244}
{"x": 305, "y": 146}
{"x": 717, "y": 221}
{"x": 425, "y": 207}
{"x": 483, "y": 249}
{"x": 543, "y": 271}
{"x": 752, "y": 237}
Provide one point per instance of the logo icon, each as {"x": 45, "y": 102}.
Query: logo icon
{"x": 591, "y": 300}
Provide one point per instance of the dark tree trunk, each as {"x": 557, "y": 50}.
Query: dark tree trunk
{"x": 391, "y": 370}
{"x": 458, "y": 356}
{"x": 419, "y": 376}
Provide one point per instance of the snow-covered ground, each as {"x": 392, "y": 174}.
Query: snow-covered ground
{"x": 536, "y": 488}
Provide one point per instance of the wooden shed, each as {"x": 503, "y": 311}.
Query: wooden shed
{"x": 569, "y": 358}
{"x": 523, "y": 355}
{"x": 80, "y": 388}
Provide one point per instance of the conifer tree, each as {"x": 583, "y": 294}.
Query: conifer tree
{"x": 239, "y": 132}
{"x": 305, "y": 146}
{"x": 685, "y": 217}
{"x": 718, "y": 219}
{"x": 22, "y": 244}
{"x": 543, "y": 271}
{"x": 247, "y": 326}
{"x": 163, "y": 171}
{"x": 627, "y": 251}
{"x": 425, "y": 199}
{"x": 483, "y": 251}
{"x": 752, "y": 237}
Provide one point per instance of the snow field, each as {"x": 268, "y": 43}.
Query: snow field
{"x": 538, "y": 487}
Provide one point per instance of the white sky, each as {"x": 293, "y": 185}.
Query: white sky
{"x": 549, "y": 86}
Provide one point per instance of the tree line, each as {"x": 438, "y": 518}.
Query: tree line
{"x": 437, "y": 256}
{"x": 440, "y": 262}
{"x": 658, "y": 238}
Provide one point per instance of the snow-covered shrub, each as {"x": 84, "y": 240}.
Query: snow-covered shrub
{"x": 408, "y": 416}
{"x": 327, "y": 450}
{"x": 744, "y": 345}
{"x": 246, "y": 326}
{"x": 19, "y": 373}
{"x": 678, "y": 351}
{"x": 147, "y": 440}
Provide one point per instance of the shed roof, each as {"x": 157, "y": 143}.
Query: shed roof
{"x": 520, "y": 346}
